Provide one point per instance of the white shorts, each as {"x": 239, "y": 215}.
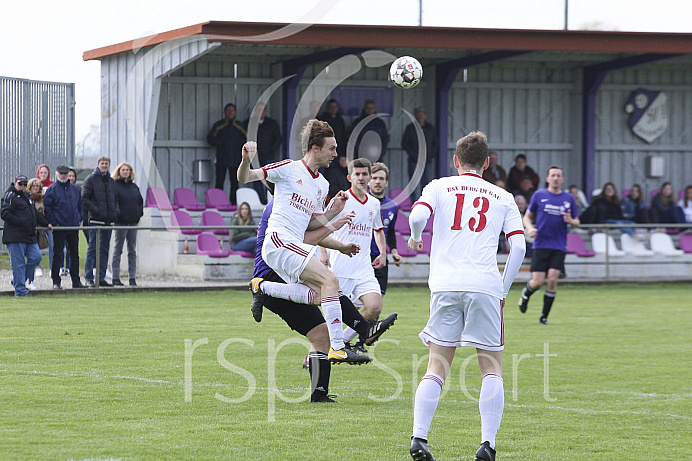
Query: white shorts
{"x": 462, "y": 318}
{"x": 286, "y": 256}
{"x": 355, "y": 288}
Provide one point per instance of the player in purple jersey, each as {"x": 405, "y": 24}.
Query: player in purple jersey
{"x": 553, "y": 209}
{"x": 389, "y": 211}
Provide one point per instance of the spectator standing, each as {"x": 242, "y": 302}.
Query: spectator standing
{"x": 43, "y": 174}
{"x": 389, "y": 211}
{"x": 243, "y": 239}
{"x": 664, "y": 206}
{"x": 336, "y": 121}
{"x": 337, "y": 175}
{"x": 494, "y": 172}
{"x": 519, "y": 170}
{"x": 268, "y": 144}
{"x": 65, "y": 269}
{"x": 98, "y": 194}
{"x": 64, "y": 207}
{"x": 553, "y": 209}
{"x": 634, "y": 207}
{"x": 376, "y": 125}
{"x": 228, "y": 135}
{"x": 35, "y": 192}
{"x": 686, "y": 204}
{"x": 19, "y": 235}
{"x": 409, "y": 142}
{"x": 130, "y": 208}
{"x": 466, "y": 299}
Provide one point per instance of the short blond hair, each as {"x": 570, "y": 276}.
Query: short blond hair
{"x": 116, "y": 173}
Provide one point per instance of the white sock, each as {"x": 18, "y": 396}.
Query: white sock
{"x": 491, "y": 404}
{"x": 296, "y": 292}
{"x": 427, "y": 397}
{"x": 349, "y": 334}
{"x": 331, "y": 309}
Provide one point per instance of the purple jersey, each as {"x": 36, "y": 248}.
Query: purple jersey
{"x": 389, "y": 211}
{"x": 550, "y": 225}
{"x": 261, "y": 267}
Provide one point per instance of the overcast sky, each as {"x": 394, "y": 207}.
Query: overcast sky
{"x": 45, "y": 39}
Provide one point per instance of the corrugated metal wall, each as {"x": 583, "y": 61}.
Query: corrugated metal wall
{"x": 524, "y": 105}
{"x": 621, "y": 155}
{"x": 36, "y": 126}
{"x": 130, "y": 87}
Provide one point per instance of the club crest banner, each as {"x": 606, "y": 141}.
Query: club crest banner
{"x": 648, "y": 114}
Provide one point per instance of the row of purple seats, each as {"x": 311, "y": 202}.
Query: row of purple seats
{"x": 185, "y": 198}
{"x": 208, "y": 244}
{"x": 180, "y": 218}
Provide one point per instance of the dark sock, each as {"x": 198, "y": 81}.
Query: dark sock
{"x": 548, "y": 299}
{"x": 320, "y": 369}
{"x": 351, "y": 315}
{"x": 528, "y": 291}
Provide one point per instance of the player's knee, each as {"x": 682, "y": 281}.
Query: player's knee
{"x": 331, "y": 282}
{"x": 319, "y": 337}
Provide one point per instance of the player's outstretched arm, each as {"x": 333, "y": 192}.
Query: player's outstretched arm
{"x": 245, "y": 174}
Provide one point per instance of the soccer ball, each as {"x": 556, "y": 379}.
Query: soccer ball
{"x": 406, "y": 72}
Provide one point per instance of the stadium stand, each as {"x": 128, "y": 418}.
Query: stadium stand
{"x": 216, "y": 198}
{"x": 185, "y": 198}
{"x": 213, "y": 218}
{"x": 576, "y": 246}
{"x": 208, "y": 244}
{"x": 686, "y": 243}
{"x": 634, "y": 247}
{"x": 599, "y": 242}
{"x": 158, "y": 198}
{"x": 663, "y": 244}
{"x": 181, "y": 218}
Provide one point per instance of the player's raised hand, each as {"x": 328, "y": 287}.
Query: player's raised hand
{"x": 350, "y": 249}
{"x": 338, "y": 202}
{"x": 249, "y": 150}
{"x": 342, "y": 220}
{"x": 413, "y": 245}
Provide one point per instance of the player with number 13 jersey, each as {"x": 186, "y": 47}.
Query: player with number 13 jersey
{"x": 470, "y": 213}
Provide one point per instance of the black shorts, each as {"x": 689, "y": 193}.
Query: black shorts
{"x": 300, "y": 317}
{"x": 382, "y": 275}
{"x": 543, "y": 259}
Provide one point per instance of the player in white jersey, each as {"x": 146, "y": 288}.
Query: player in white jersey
{"x": 356, "y": 275}
{"x": 467, "y": 290}
{"x": 300, "y": 193}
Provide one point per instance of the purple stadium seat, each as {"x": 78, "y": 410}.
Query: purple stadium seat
{"x": 402, "y": 199}
{"x": 402, "y": 247}
{"x": 576, "y": 246}
{"x": 181, "y": 218}
{"x": 158, "y": 198}
{"x": 216, "y": 198}
{"x": 686, "y": 243}
{"x": 653, "y": 193}
{"x": 185, "y": 198}
{"x": 208, "y": 244}
{"x": 213, "y": 218}
{"x": 401, "y": 226}
{"x": 625, "y": 193}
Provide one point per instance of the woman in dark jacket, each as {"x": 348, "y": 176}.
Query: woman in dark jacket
{"x": 130, "y": 207}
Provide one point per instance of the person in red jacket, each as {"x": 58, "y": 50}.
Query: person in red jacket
{"x": 43, "y": 174}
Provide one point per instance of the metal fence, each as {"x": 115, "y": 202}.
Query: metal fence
{"x": 36, "y": 126}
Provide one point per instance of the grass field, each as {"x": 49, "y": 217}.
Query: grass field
{"x": 107, "y": 376}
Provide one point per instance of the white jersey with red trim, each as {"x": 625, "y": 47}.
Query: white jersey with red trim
{"x": 469, "y": 215}
{"x": 298, "y": 193}
{"x": 368, "y": 219}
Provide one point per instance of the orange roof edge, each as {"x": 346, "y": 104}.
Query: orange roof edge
{"x": 138, "y": 43}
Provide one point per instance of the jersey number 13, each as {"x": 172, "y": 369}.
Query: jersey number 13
{"x": 476, "y": 225}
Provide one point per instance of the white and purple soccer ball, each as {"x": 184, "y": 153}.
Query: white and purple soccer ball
{"x": 406, "y": 72}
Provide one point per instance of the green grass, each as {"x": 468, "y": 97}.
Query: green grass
{"x": 103, "y": 376}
